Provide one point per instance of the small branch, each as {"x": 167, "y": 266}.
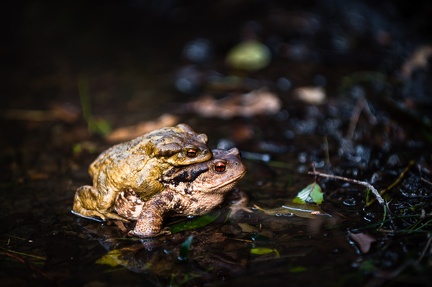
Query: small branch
{"x": 397, "y": 181}
{"x": 367, "y": 185}
{"x": 425, "y": 180}
{"x": 364, "y": 183}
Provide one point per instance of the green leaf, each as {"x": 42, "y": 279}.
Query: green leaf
{"x": 195, "y": 223}
{"x": 264, "y": 250}
{"x": 124, "y": 257}
{"x": 317, "y": 194}
{"x": 249, "y": 56}
{"x": 112, "y": 258}
{"x": 298, "y": 200}
{"x": 297, "y": 269}
{"x": 184, "y": 249}
{"x": 311, "y": 193}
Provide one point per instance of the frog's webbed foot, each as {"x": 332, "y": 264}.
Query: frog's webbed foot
{"x": 239, "y": 203}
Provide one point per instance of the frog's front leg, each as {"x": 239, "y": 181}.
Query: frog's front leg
{"x": 150, "y": 220}
{"x": 90, "y": 203}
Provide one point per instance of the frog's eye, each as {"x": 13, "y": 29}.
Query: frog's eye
{"x": 191, "y": 152}
{"x": 220, "y": 166}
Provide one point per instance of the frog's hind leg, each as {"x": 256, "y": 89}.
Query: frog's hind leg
{"x": 87, "y": 204}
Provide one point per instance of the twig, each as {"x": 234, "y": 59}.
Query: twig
{"x": 364, "y": 183}
{"x": 425, "y": 180}
{"x": 399, "y": 179}
{"x": 367, "y": 185}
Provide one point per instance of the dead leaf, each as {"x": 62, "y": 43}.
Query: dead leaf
{"x": 131, "y": 132}
{"x": 257, "y": 102}
{"x": 247, "y": 228}
{"x": 363, "y": 240}
{"x": 311, "y": 95}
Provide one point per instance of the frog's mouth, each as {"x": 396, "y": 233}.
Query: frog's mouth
{"x": 229, "y": 184}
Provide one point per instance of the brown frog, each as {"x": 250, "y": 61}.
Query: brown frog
{"x": 191, "y": 190}
{"x": 138, "y": 165}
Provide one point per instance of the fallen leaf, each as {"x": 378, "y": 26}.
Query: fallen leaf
{"x": 131, "y": 132}
{"x": 249, "y": 55}
{"x": 264, "y": 250}
{"x": 256, "y": 102}
{"x": 311, "y": 193}
{"x": 247, "y": 228}
{"x": 311, "y": 95}
{"x": 363, "y": 240}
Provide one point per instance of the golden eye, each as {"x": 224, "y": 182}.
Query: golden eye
{"x": 191, "y": 152}
{"x": 220, "y": 167}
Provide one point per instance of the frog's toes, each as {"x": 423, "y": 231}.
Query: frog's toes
{"x": 115, "y": 216}
{"x": 98, "y": 219}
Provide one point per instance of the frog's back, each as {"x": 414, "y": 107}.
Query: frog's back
{"x": 118, "y": 157}
{"x": 138, "y": 164}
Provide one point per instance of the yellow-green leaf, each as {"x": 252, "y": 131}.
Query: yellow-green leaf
{"x": 264, "y": 250}
{"x": 249, "y": 56}
{"x": 311, "y": 193}
{"x": 112, "y": 259}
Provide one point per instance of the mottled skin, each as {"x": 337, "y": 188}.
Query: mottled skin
{"x": 138, "y": 165}
{"x": 192, "y": 190}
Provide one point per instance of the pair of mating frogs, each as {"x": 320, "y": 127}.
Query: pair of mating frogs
{"x": 167, "y": 172}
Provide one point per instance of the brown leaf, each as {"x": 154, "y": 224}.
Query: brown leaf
{"x": 363, "y": 240}
{"x": 131, "y": 132}
{"x": 256, "y": 102}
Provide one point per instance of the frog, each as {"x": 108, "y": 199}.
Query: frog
{"x": 191, "y": 190}
{"x": 138, "y": 164}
